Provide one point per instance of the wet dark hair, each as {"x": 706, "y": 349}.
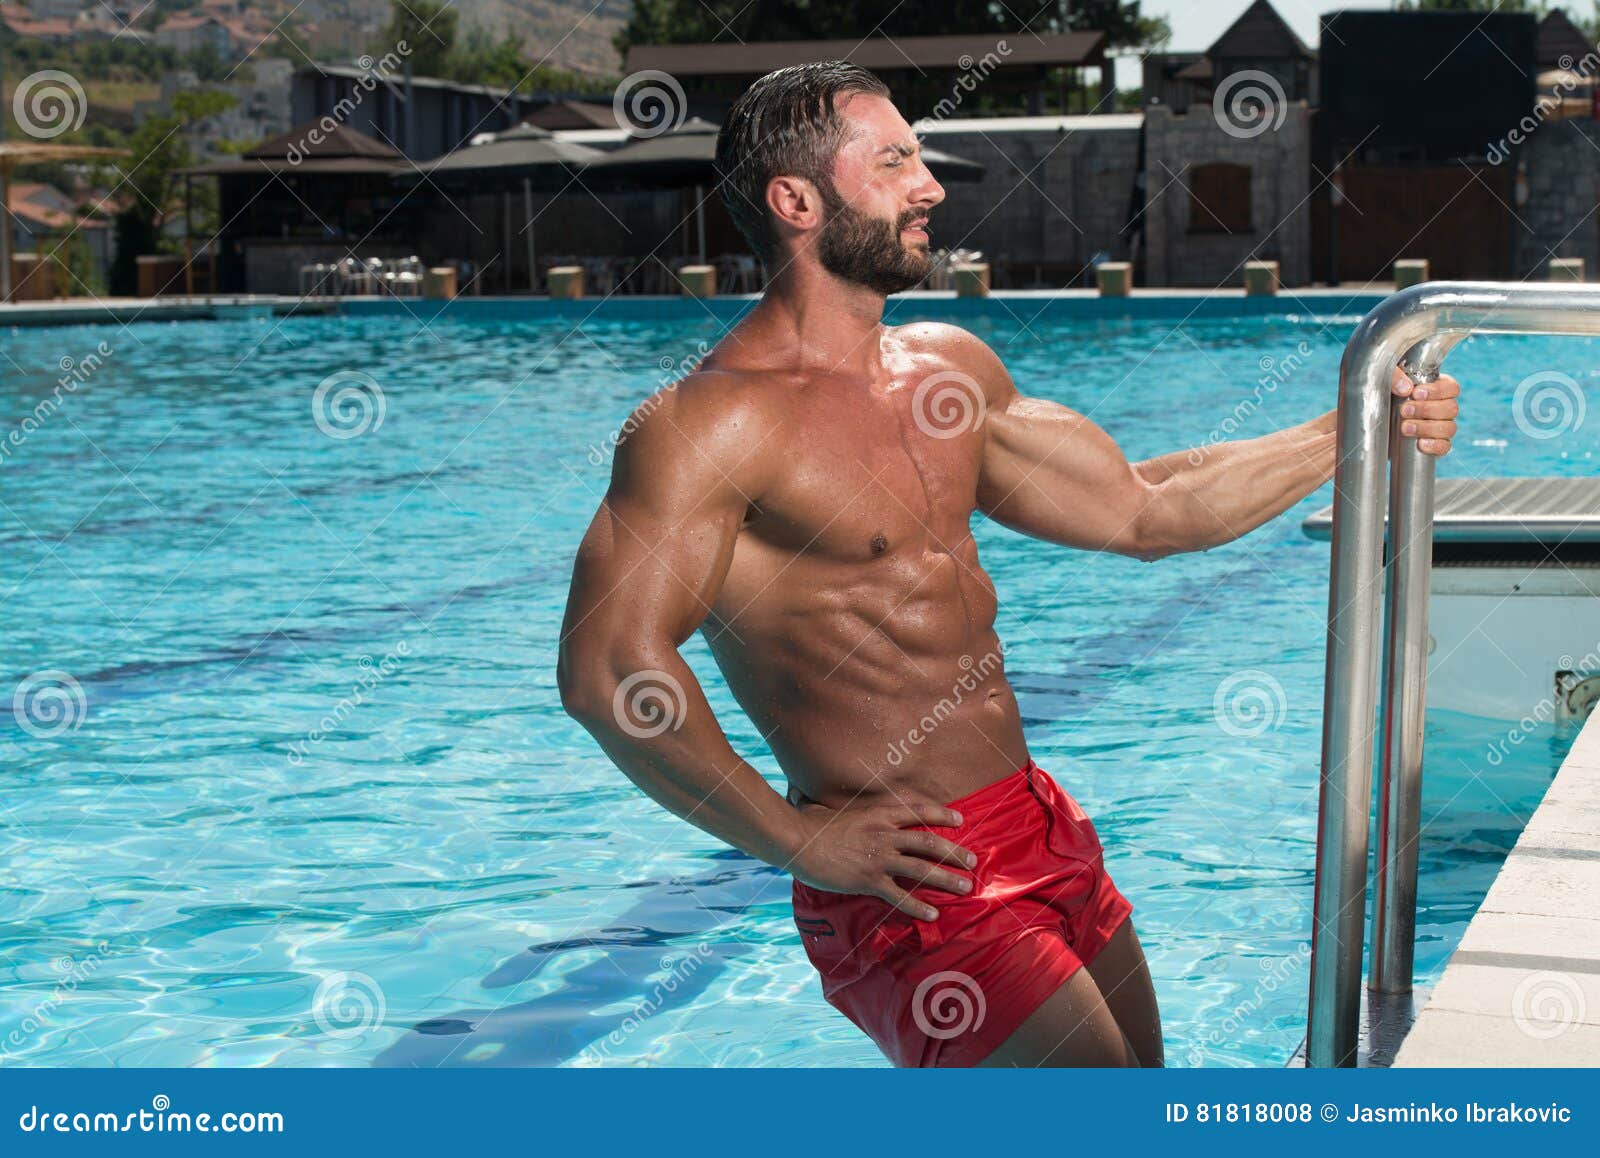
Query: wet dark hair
{"x": 784, "y": 124}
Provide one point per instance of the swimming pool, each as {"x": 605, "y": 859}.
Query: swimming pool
{"x": 318, "y": 804}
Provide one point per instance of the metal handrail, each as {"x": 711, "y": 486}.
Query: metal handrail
{"x": 1415, "y": 329}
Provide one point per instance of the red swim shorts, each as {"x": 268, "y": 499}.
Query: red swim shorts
{"x": 948, "y": 992}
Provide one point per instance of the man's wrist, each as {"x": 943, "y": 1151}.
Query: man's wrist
{"x": 792, "y": 839}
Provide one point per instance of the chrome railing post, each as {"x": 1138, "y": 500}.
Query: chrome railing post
{"x": 1422, "y": 322}
{"x": 1339, "y": 911}
{"x": 1394, "y": 931}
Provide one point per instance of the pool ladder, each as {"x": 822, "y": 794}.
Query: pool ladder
{"x": 1415, "y": 328}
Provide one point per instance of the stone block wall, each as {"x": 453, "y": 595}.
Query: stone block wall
{"x": 1559, "y": 218}
{"x": 1279, "y": 160}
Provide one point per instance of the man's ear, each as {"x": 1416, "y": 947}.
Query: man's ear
{"x": 795, "y": 202}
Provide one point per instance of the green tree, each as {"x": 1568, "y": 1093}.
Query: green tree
{"x": 428, "y": 29}
{"x": 691, "y": 21}
{"x": 157, "y": 149}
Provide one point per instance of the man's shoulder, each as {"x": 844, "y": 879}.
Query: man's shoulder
{"x": 935, "y": 335}
{"x": 717, "y": 397}
{"x": 949, "y": 348}
{"x": 712, "y": 415}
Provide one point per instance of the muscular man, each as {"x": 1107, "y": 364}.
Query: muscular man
{"x": 804, "y": 498}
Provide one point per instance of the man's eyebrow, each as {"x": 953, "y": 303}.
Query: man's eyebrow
{"x": 901, "y": 147}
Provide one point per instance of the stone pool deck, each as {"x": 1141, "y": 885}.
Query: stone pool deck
{"x": 1523, "y": 987}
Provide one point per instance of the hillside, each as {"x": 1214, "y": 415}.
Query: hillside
{"x": 576, "y": 33}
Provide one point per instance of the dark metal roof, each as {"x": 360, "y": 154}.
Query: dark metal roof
{"x": 524, "y": 152}
{"x": 1503, "y": 510}
{"x": 575, "y": 115}
{"x": 398, "y": 81}
{"x": 1559, "y": 37}
{"x": 686, "y": 156}
{"x": 311, "y": 148}
{"x": 1261, "y": 34}
{"x": 313, "y": 140}
{"x": 343, "y": 165}
{"x": 875, "y": 52}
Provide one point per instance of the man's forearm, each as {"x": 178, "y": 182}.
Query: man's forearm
{"x": 657, "y": 727}
{"x": 1214, "y": 494}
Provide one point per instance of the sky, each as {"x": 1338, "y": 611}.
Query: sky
{"x": 1196, "y": 23}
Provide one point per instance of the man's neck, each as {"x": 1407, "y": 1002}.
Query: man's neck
{"x": 815, "y": 321}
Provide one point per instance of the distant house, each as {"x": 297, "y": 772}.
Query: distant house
{"x": 335, "y": 37}
{"x": 58, "y": 9}
{"x": 230, "y": 36}
{"x": 101, "y": 23}
{"x": 188, "y": 33}
{"x": 23, "y": 22}
{"x": 1260, "y": 41}
{"x": 41, "y": 214}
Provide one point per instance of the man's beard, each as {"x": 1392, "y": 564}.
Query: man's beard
{"x": 868, "y": 250}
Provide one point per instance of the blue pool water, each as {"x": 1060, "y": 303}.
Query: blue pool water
{"x": 212, "y": 861}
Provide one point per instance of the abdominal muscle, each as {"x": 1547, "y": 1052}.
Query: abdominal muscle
{"x": 914, "y": 706}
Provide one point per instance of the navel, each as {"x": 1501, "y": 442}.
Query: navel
{"x": 879, "y": 544}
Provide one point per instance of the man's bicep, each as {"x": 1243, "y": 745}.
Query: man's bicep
{"x": 653, "y": 567}
{"x": 1052, "y": 473}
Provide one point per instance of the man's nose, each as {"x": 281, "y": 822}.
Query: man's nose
{"x": 930, "y": 193}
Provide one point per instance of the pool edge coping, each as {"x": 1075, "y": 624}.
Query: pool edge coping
{"x": 1522, "y": 987}
{"x": 1177, "y": 302}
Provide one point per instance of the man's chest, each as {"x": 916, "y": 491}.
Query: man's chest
{"x": 861, "y": 480}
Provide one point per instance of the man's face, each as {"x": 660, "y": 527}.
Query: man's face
{"x": 877, "y": 208}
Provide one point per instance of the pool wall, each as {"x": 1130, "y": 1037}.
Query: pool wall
{"x": 1025, "y": 305}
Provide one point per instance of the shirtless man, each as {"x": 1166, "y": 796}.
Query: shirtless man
{"x": 804, "y": 498}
